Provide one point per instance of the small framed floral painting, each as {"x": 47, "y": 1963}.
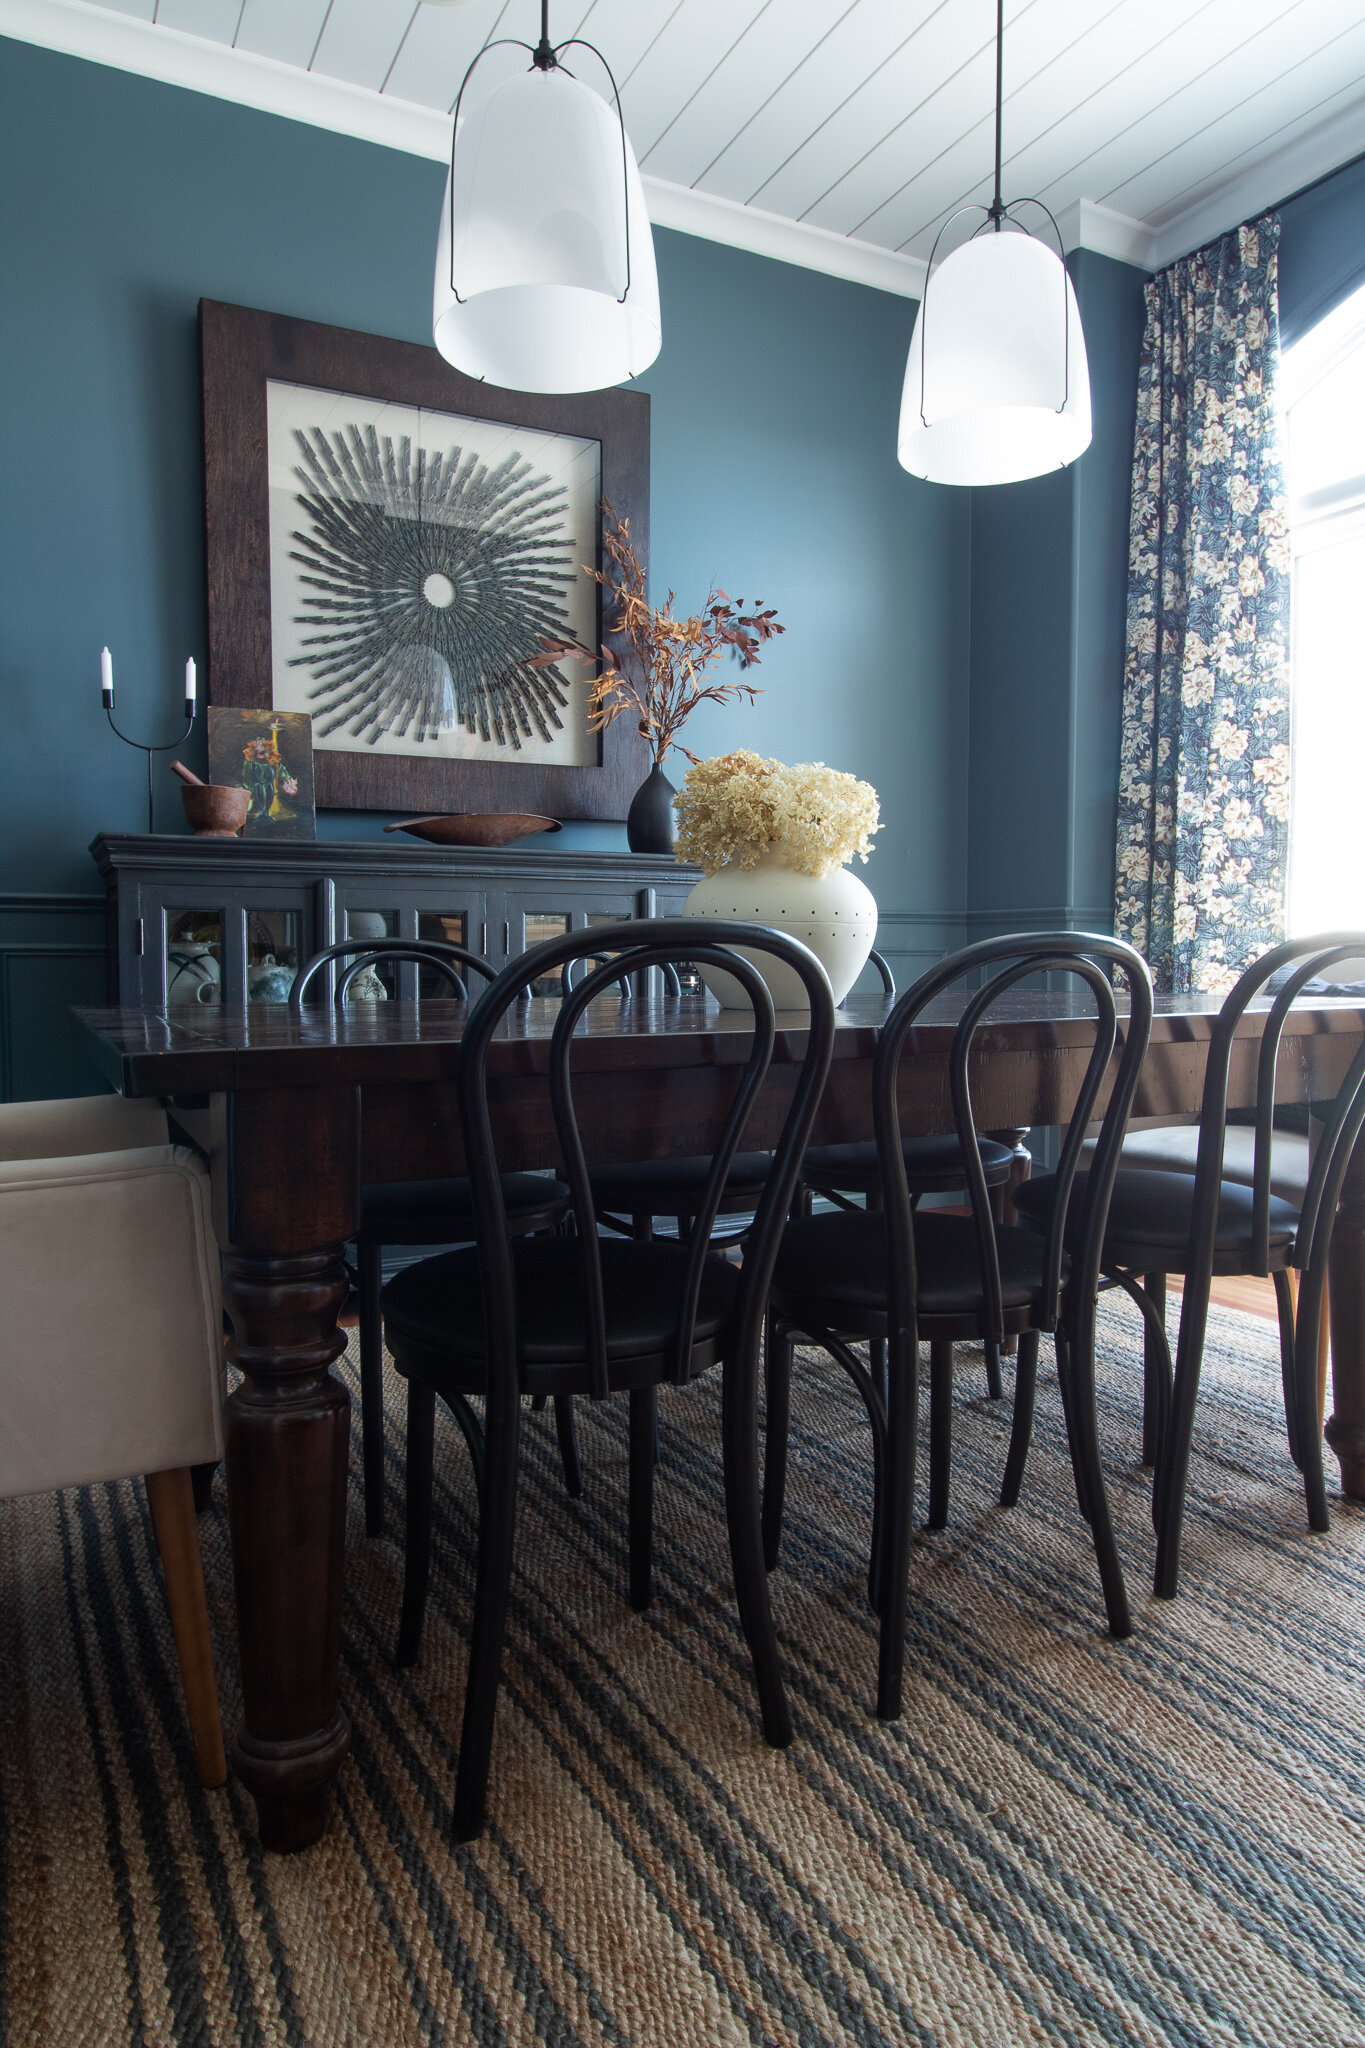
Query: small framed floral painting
{"x": 269, "y": 754}
{"x": 393, "y": 550}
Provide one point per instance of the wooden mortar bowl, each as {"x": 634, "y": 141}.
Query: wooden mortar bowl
{"x": 215, "y": 810}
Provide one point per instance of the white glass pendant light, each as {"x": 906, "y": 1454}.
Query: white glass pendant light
{"x": 997, "y": 386}
{"x": 545, "y": 277}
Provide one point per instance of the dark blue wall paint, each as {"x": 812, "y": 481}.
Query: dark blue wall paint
{"x": 1322, "y": 248}
{"x": 774, "y": 409}
{"x": 1048, "y": 574}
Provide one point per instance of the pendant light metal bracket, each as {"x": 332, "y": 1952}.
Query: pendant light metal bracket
{"x": 544, "y": 56}
{"x": 995, "y": 217}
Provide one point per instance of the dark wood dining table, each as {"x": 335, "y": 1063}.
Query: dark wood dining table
{"x": 294, "y": 1113}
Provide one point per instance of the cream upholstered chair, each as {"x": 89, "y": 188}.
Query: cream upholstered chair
{"x": 112, "y": 1361}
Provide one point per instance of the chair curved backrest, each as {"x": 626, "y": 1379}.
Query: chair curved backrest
{"x": 443, "y": 955}
{"x": 1298, "y": 961}
{"x": 644, "y": 943}
{"x": 883, "y": 967}
{"x": 1005, "y": 962}
{"x": 672, "y": 984}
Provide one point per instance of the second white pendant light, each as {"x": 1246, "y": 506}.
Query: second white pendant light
{"x": 545, "y": 276}
{"x": 997, "y": 387}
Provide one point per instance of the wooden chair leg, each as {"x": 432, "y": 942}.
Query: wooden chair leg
{"x": 170, "y": 1496}
{"x": 892, "y": 1536}
{"x": 643, "y": 1404}
{"x": 1080, "y": 1375}
{"x": 370, "y": 1274}
{"x": 417, "y": 1531}
{"x": 1021, "y": 1430}
{"x": 777, "y": 1373}
{"x": 743, "y": 1514}
{"x": 1155, "y": 1372}
{"x": 568, "y": 1445}
{"x": 1324, "y": 1354}
{"x": 940, "y": 1431}
{"x": 201, "y": 1479}
{"x": 492, "y": 1588}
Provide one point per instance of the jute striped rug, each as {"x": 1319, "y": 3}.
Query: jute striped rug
{"x": 1065, "y": 1840}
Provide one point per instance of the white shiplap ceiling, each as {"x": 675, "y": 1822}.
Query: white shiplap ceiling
{"x": 836, "y": 133}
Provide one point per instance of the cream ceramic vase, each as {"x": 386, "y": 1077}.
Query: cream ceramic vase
{"x": 834, "y": 914}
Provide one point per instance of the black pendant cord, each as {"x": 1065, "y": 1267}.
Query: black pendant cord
{"x": 543, "y": 56}
{"x": 995, "y": 215}
{"x": 997, "y": 205}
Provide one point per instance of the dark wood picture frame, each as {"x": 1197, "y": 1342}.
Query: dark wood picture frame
{"x": 241, "y": 350}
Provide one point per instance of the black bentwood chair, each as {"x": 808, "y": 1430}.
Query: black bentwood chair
{"x": 899, "y": 1276}
{"x": 424, "y": 1212}
{"x": 629, "y": 1197}
{"x": 597, "y": 1315}
{"x": 1162, "y": 1223}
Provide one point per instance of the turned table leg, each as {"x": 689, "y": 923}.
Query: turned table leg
{"x": 294, "y": 1192}
{"x": 1346, "y": 1303}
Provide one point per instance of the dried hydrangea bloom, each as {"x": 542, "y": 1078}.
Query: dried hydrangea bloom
{"x": 735, "y": 808}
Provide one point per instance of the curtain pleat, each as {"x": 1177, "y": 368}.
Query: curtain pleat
{"x": 1203, "y": 827}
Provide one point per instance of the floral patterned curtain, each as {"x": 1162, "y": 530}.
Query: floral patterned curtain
{"x": 1204, "y": 767}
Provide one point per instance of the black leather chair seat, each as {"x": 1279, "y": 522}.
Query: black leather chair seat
{"x": 1149, "y": 1220}
{"x": 436, "y": 1308}
{"x": 837, "y": 1266}
{"x": 442, "y": 1211}
{"x": 933, "y": 1165}
{"x": 663, "y": 1187}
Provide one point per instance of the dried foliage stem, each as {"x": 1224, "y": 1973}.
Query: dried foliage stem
{"x": 662, "y": 674}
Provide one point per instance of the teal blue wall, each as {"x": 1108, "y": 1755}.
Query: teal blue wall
{"x": 1322, "y": 248}
{"x": 774, "y": 406}
{"x": 1048, "y": 579}
{"x": 774, "y": 411}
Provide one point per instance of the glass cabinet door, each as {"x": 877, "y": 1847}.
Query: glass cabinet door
{"x": 192, "y": 957}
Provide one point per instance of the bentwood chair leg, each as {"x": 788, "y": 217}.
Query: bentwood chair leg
{"x": 1311, "y": 1307}
{"x": 643, "y": 1406}
{"x": 1069, "y": 1417}
{"x": 170, "y": 1496}
{"x": 777, "y": 1374}
{"x": 1086, "y": 1441}
{"x": 1172, "y": 1474}
{"x": 898, "y": 1496}
{"x": 1155, "y": 1372}
{"x": 1284, "y": 1304}
{"x": 417, "y": 1514}
{"x": 940, "y": 1432}
{"x": 1021, "y": 1429}
{"x": 370, "y": 1272}
{"x": 995, "y": 1386}
{"x": 568, "y": 1445}
{"x": 743, "y": 1513}
{"x": 493, "y": 1580}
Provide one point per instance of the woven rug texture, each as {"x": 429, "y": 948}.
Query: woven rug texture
{"x": 1065, "y": 1839}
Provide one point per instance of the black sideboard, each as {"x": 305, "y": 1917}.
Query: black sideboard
{"x": 203, "y": 920}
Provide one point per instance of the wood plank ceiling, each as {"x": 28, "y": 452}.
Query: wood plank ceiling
{"x": 873, "y": 119}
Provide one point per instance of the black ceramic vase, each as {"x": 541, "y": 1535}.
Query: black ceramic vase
{"x": 650, "y": 824}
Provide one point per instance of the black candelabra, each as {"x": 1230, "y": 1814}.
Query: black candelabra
{"x": 165, "y": 746}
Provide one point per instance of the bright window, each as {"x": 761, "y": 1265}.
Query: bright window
{"x": 1323, "y": 395}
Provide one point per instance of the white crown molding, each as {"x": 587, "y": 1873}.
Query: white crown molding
{"x": 1087, "y": 225}
{"x": 174, "y": 58}
{"x": 106, "y": 36}
{"x": 789, "y": 241}
{"x": 169, "y": 55}
{"x": 1262, "y": 184}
